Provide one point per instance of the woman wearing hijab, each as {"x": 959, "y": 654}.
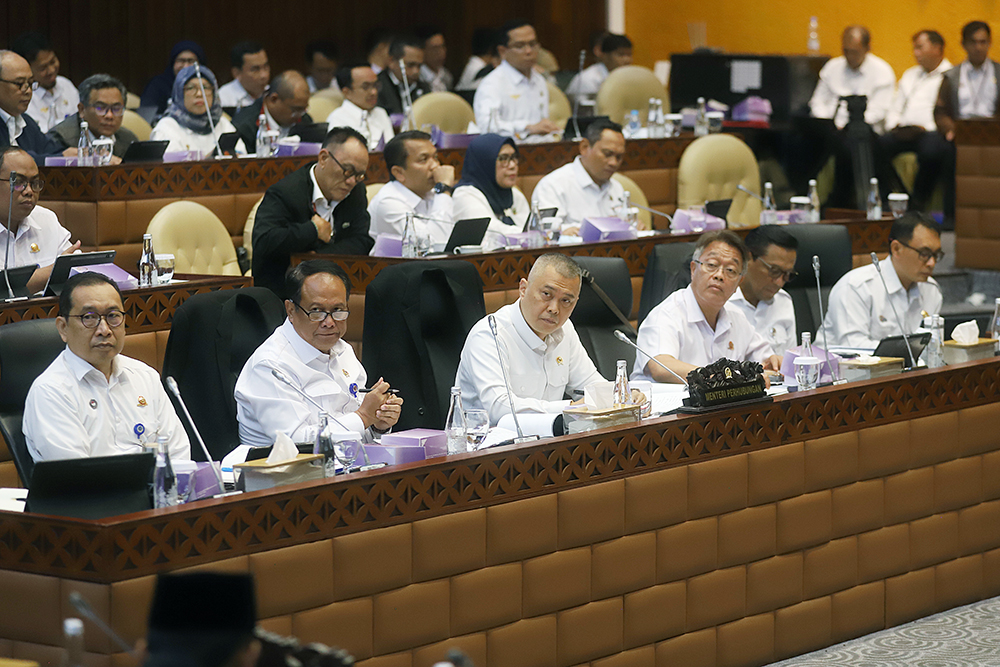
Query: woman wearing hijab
{"x": 186, "y": 122}
{"x": 157, "y": 92}
{"x": 487, "y": 189}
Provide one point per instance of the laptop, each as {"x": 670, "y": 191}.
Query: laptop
{"x": 894, "y": 346}
{"x": 467, "y": 232}
{"x": 569, "y": 134}
{"x": 60, "y": 270}
{"x": 18, "y": 278}
{"x": 542, "y": 213}
{"x": 313, "y": 133}
{"x": 145, "y": 151}
{"x": 92, "y": 488}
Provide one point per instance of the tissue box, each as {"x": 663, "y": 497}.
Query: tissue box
{"x": 301, "y": 148}
{"x": 431, "y": 442}
{"x": 260, "y": 474}
{"x": 122, "y": 278}
{"x": 581, "y": 419}
{"x": 686, "y": 222}
{"x": 956, "y": 353}
{"x": 594, "y": 230}
{"x": 869, "y": 368}
{"x": 388, "y": 245}
{"x": 753, "y": 108}
{"x": 788, "y": 364}
{"x": 526, "y": 240}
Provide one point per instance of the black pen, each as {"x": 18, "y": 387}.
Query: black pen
{"x": 394, "y": 392}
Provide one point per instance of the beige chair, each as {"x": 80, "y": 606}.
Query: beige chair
{"x": 248, "y": 229}
{"x": 133, "y": 121}
{"x": 196, "y": 237}
{"x": 448, "y": 111}
{"x": 323, "y": 102}
{"x": 628, "y": 88}
{"x": 711, "y": 168}
{"x": 372, "y": 189}
{"x": 638, "y": 197}
{"x": 560, "y": 109}
{"x": 547, "y": 60}
{"x": 132, "y": 101}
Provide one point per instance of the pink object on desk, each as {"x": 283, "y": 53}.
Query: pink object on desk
{"x": 122, "y": 278}
{"x": 388, "y": 245}
{"x": 793, "y": 353}
{"x": 594, "y": 230}
{"x": 688, "y": 222}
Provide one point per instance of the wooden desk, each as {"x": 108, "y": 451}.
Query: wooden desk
{"x": 977, "y": 194}
{"x": 759, "y": 533}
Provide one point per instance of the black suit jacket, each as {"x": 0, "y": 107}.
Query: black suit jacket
{"x": 245, "y": 122}
{"x": 32, "y": 140}
{"x": 284, "y": 226}
{"x": 389, "y": 97}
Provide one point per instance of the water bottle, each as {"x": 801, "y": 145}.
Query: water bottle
{"x": 934, "y": 353}
{"x": 652, "y": 128}
{"x": 536, "y": 240}
{"x": 364, "y": 129}
{"x": 164, "y": 478}
{"x": 410, "y": 244}
{"x": 325, "y": 445}
{"x": 629, "y": 213}
{"x": 814, "y": 212}
{"x": 455, "y": 427}
{"x": 85, "y": 147}
{"x": 807, "y": 348}
{"x": 874, "y": 200}
{"x": 493, "y": 124}
{"x": 634, "y": 126}
{"x": 623, "y": 394}
{"x": 661, "y": 123}
{"x": 768, "y": 216}
{"x": 701, "y": 119}
{"x": 73, "y": 636}
{"x": 812, "y": 45}
{"x": 148, "y": 276}
{"x": 995, "y": 322}
{"x": 263, "y": 138}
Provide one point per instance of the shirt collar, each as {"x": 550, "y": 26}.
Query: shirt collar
{"x": 80, "y": 367}
{"x": 515, "y": 76}
{"x": 19, "y": 124}
{"x": 696, "y": 314}
{"x": 29, "y": 222}
{"x": 409, "y": 197}
{"x": 319, "y": 200}
{"x": 892, "y": 282}
{"x": 271, "y": 123}
{"x": 943, "y": 67}
{"x": 304, "y": 350}
{"x": 243, "y": 94}
{"x": 584, "y": 179}
{"x": 528, "y": 335}
{"x": 353, "y": 108}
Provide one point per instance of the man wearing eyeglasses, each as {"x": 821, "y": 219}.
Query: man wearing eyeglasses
{"x": 93, "y": 400}
{"x": 860, "y": 313}
{"x": 283, "y": 105}
{"x": 322, "y": 207}
{"x": 17, "y": 128}
{"x": 310, "y": 351}
{"x": 103, "y": 108}
{"x": 696, "y": 326}
{"x": 360, "y": 86}
{"x": 760, "y": 295}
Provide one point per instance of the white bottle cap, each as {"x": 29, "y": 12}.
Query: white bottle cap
{"x": 874, "y": 181}
{"x": 73, "y": 627}
{"x": 812, "y": 182}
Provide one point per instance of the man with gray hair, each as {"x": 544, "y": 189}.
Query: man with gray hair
{"x": 543, "y": 354}
{"x": 102, "y": 106}
{"x": 695, "y": 326}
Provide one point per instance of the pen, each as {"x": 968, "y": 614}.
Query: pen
{"x": 394, "y": 392}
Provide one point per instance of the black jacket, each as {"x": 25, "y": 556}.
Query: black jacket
{"x": 283, "y": 226}
{"x": 245, "y": 122}
{"x": 389, "y": 97}
{"x": 37, "y": 145}
{"x": 67, "y": 135}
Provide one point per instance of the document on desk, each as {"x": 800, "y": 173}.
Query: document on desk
{"x": 12, "y": 500}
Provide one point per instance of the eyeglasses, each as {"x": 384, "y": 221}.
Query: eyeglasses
{"x": 349, "y": 171}
{"x": 510, "y": 158}
{"x": 23, "y": 84}
{"x": 776, "y": 272}
{"x": 19, "y": 183}
{"x": 114, "y": 318}
{"x": 369, "y": 86}
{"x": 321, "y": 315}
{"x": 524, "y": 46}
{"x": 197, "y": 89}
{"x": 925, "y": 254}
{"x": 103, "y": 109}
{"x": 711, "y": 267}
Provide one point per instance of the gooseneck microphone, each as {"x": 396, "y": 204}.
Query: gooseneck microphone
{"x": 753, "y": 194}
{"x": 822, "y": 321}
{"x": 208, "y": 107}
{"x": 576, "y": 98}
{"x": 86, "y": 610}
{"x": 6, "y": 250}
{"x": 623, "y": 338}
{"x": 899, "y": 321}
{"x": 406, "y": 96}
{"x": 176, "y": 391}
{"x": 654, "y": 211}
{"x": 506, "y": 382}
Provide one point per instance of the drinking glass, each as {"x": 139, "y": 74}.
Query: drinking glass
{"x": 898, "y": 203}
{"x": 807, "y": 372}
{"x": 477, "y": 425}
{"x": 102, "y": 151}
{"x": 165, "y": 267}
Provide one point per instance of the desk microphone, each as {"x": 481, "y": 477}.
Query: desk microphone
{"x": 822, "y": 321}
{"x": 421, "y": 216}
{"x": 576, "y": 98}
{"x": 85, "y": 609}
{"x": 623, "y": 338}
{"x": 6, "y": 250}
{"x": 899, "y": 321}
{"x": 208, "y": 107}
{"x": 653, "y": 211}
{"x": 756, "y": 196}
{"x": 506, "y": 382}
{"x": 175, "y": 390}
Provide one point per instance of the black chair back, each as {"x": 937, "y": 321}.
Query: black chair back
{"x": 595, "y": 323}
{"x": 832, "y": 243}
{"x": 668, "y": 270}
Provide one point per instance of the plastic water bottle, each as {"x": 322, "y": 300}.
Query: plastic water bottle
{"x": 874, "y": 200}
{"x": 769, "y": 215}
{"x": 264, "y": 146}
{"x": 364, "y": 129}
{"x": 537, "y": 240}
{"x": 410, "y": 244}
{"x": 164, "y": 478}
{"x": 634, "y": 125}
{"x": 455, "y": 427}
{"x": 812, "y": 46}
{"x": 652, "y": 124}
{"x": 934, "y": 353}
{"x": 148, "y": 276}
{"x": 623, "y": 394}
{"x": 814, "y": 212}
{"x": 628, "y": 212}
{"x": 701, "y": 119}
{"x": 84, "y": 147}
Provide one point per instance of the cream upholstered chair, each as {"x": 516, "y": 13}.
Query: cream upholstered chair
{"x": 132, "y": 101}
{"x": 547, "y": 60}
{"x": 628, "y": 88}
{"x": 638, "y": 197}
{"x": 248, "y": 229}
{"x": 133, "y": 121}
{"x": 196, "y": 237}
{"x": 448, "y": 111}
{"x": 323, "y": 102}
{"x": 711, "y": 168}
{"x": 559, "y": 106}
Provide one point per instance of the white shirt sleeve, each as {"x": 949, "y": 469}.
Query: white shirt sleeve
{"x": 848, "y": 315}
{"x": 880, "y": 100}
{"x": 52, "y": 425}
{"x": 823, "y": 103}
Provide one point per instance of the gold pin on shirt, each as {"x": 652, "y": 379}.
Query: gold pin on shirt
{"x": 559, "y": 361}
{"x": 142, "y": 402}
{"x": 34, "y": 247}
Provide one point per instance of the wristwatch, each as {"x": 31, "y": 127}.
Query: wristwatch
{"x": 441, "y": 188}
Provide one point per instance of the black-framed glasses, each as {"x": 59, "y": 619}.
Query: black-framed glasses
{"x": 18, "y": 183}
{"x": 349, "y": 171}
{"x": 925, "y": 254}
{"x": 369, "y": 86}
{"x": 509, "y": 158}
{"x": 524, "y": 46}
{"x": 321, "y": 315}
{"x": 711, "y": 267}
{"x": 776, "y": 272}
{"x": 103, "y": 109}
{"x": 114, "y": 318}
{"x": 23, "y": 84}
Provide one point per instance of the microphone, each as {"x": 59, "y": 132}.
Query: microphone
{"x": 420, "y": 216}
{"x": 6, "y": 250}
{"x": 899, "y": 321}
{"x": 822, "y": 320}
{"x": 407, "y": 97}
{"x": 739, "y": 186}
{"x": 85, "y": 609}
{"x": 576, "y": 98}
{"x": 654, "y": 212}
{"x": 623, "y": 338}
{"x": 506, "y": 382}
{"x": 208, "y": 107}
{"x": 175, "y": 390}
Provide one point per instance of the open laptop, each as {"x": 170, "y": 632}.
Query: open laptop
{"x": 467, "y": 232}
{"x": 92, "y": 488}
{"x": 542, "y": 213}
{"x": 894, "y": 346}
{"x": 60, "y": 270}
{"x": 314, "y": 133}
{"x": 145, "y": 151}
{"x": 18, "y": 278}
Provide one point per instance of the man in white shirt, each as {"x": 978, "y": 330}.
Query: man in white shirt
{"x": 360, "y": 109}
{"x": 518, "y": 93}
{"x": 92, "y": 400}
{"x": 56, "y": 97}
{"x": 418, "y": 184}
{"x": 696, "y": 326}
{"x": 584, "y": 187}
{"x": 310, "y": 351}
{"x": 857, "y": 72}
{"x": 761, "y": 296}
{"x": 38, "y": 238}
{"x": 251, "y": 73}
{"x": 483, "y": 60}
{"x": 542, "y": 351}
{"x": 433, "y": 72}
{"x": 321, "y": 64}
{"x": 616, "y": 51}
{"x": 860, "y": 313}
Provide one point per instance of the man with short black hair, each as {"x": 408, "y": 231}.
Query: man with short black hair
{"x": 321, "y": 207}
{"x": 410, "y": 50}
{"x": 56, "y": 97}
{"x": 283, "y": 105}
{"x": 860, "y": 313}
{"x": 418, "y": 184}
{"x": 17, "y": 128}
{"x": 251, "y": 72}
{"x": 92, "y": 400}
{"x": 360, "y": 110}
{"x": 970, "y": 90}
{"x": 433, "y": 72}
{"x": 760, "y": 295}
{"x": 102, "y": 106}
{"x": 616, "y": 51}
{"x": 321, "y": 64}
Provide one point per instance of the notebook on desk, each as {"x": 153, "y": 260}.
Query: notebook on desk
{"x": 92, "y": 488}
{"x": 18, "y": 278}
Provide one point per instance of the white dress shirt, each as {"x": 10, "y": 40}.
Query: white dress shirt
{"x": 266, "y": 406}
{"x": 468, "y": 80}
{"x": 678, "y": 327}
{"x": 859, "y": 313}
{"x": 38, "y": 240}
{"x": 233, "y": 94}
{"x": 439, "y": 81}
{"x": 183, "y": 139}
{"x": 571, "y": 189}
{"x": 586, "y": 84}
{"x": 774, "y": 319}
{"x": 73, "y": 411}
{"x": 313, "y": 87}
{"x": 522, "y": 101}
{"x": 541, "y": 371}
{"x": 916, "y": 95}
{"x": 389, "y": 206}
{"x": 977, "y": 90}
{"x": 875, "y": 79}
{"x": 49, "y": 107}
{"x": 471, "y": 203}
{"x": 15, "y": 125}
{"x": 377, "y": 126}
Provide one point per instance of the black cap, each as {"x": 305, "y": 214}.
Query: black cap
{"x": 204, "y": 602}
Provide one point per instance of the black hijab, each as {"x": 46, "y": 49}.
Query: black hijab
{"x": 480, "y": 171}
{"x": 157, "y": 91}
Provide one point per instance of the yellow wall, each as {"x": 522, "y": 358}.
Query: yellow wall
{"x": 658, "y": 27}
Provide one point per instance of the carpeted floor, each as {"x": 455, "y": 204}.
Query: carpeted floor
{"x": 963, "y": 637}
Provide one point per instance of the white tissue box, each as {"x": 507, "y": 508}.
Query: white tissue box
{"x": 260, "y": 474}
{"x": 955, "y": 352}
